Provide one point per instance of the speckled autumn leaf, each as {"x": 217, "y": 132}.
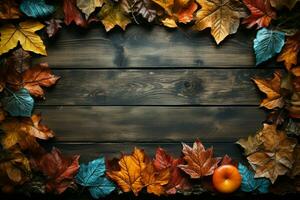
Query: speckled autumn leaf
{"x": 155, "y": 180}
{"x": 14, "y": 167}
{"x": 276, "y": 156}
{"x": 9, "y": 9}
{"x": 24, "y": 33}
{"x": 261, "y": 13}
{"x": 113, "y": 14}
{"x": 178, "y": 180}
{"x": 271, "y": 87}
{"x": 222, "y": 16}
{"x": 89, "y": 6}
{"x": 279, "y": 4}
{"x": 72, "y": 14}
{"x": 129, "y": 176}
{"x": 60, "y": 170}
{"x": 200, "y": 162}
{"x": 290, "y": 51}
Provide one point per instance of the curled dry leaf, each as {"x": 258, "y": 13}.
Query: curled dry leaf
{"x": 251, "y": 144}
{"x": 72, "y": 14}
{"x": 145, "y": 8}
{"x": 200, "y": 162}
{"x": 155, "y": 180}
{"x": 24, "y": 33}
{"x": 129, "y": 176}
{"x": 223, "y": 17}
{"x": 290, "y": 51}
{"x": 178, "y": 180}
{"x": 261, "y": 13}
{"x": 9, "y": 9}
{"x": 59, "y": 170}
{"x": 271, "y": 87}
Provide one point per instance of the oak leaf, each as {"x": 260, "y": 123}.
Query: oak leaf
{"x": 53, "y": 26}
{"x": 276, "y": 156}
{"x": 271, "y": 87}
{"x": 178, "y": 180}
{"x": 59, "y": 170}
{"x": 223, "y": 17}
{"x": 89, "y": 6}
{"x": 200, "y": 162}
{"x": 9, "y": 9}
{"x": 155, "y": 180}
{"x": 290, "y": 51}
{"x": 261, "y": 13}
{"x": 23, "y": 33}
{"x": 72, "y": 13}
{"x": 112, "y": 14}
{"x": 129, "y": 176}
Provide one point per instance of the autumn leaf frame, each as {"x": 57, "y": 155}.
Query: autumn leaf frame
{"x": 273, "y": 152}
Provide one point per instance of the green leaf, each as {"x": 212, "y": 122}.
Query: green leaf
{"x": 20, "y": 103}
{"x": 267, "y": 43}
{"x": 36, "y": 8}
{"x": 249, "y": 183}
{"x": 90, "y": 176}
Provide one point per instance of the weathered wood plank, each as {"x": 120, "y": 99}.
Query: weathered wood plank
{"x": 153, "y": 123}
{"x": 91, "y": 151}
{"x": 155, "y": 87}
{"x": 144, "y": 47}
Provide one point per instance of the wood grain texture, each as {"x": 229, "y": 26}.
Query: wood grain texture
{"x": 156, "y": 87}
{"x": 144, "y": 47}
{"x": 92, "y": 151}
{"x": 151, "y": 124}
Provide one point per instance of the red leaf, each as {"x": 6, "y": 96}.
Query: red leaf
{"x": 228, "y": 161}
{"x": 72, "y": 13}
{"x": 261, "y": 13}
{"x": 178, "y": 180}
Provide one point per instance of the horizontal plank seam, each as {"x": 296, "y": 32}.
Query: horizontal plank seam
{"x": 165, "y": 68}
{"x": 132, "y": 142}
{"x": 145, "y": 105}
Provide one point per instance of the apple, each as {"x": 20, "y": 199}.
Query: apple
{"x": 227, "y": 179}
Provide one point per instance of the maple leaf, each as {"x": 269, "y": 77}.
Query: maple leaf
{"x": 23, "y": 33}
{"x": 36, "y": 8}
{"x": 37, "y": 76}
{"x": 112, "y": 14}
{"x": 200, "y": 162}
{"x": 227, "y": 160}
{"x": 14, "y": 166}
{"x": 250, "y": 145}
{"x": 92, "y": 176}
{"x": 53, "y": 26}
{"x": 222, "y": 16}
{"x": 9, "y": 9}
{"x": 271, "y": 87}
{"x": 129, "y": 176}
{"x": 290, "y": 51}
{"x": 23, "y": 132}
{"x": 178, "y": 181}
{"x": 89, "y": 6}
{"x": 267, "y": 44}
{"x": 60, "y": 170}
{"x": 155, "y": 180}
{"x": 261, "y": 13}
{"x": 279, "y": 4}
{"x": 73, "y": 14}
{"x": 276, "y": 156}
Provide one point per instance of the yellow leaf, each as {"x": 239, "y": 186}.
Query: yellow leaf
{"x": 169, "y": 22}
{"x": 222, "y": 16}
{"x": 23, "y": 33}
{"x": 165, "y": 4}
{"x": 113, "y": 14}
{"x": 155, "y": 180}
{"x": 129, "y": 176}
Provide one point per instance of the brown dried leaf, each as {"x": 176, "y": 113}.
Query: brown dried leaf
{"x": 72, "y": 13}
{"x": 9, "y": 9}
{"x": 53, "y": 26}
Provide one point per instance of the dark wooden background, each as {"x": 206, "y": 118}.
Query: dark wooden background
{"x": 151, "y": 87}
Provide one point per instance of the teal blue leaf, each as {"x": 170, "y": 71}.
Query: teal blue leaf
{"x": 103, "y": 189}
{"x": 36, "y": 8}
{"x": 19, "y": 103}
{"x": 91, "y": 175}
{"x": 249, "y": 183}
{"x": 267, "y": 44}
